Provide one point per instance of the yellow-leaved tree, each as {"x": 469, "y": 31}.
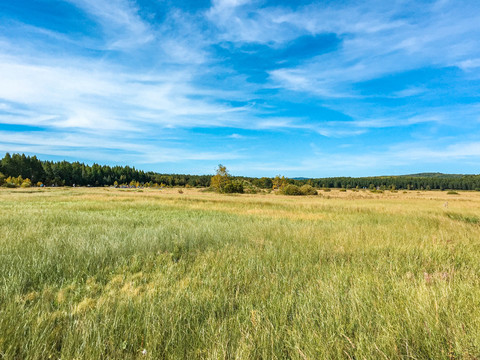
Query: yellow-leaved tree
{"x": 279, "y": 182}
{"x": 220, "y": 179}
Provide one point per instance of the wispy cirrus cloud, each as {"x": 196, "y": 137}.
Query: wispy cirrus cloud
{"x": 400, "y": 159}
{"x": 381, "y": 40}
{"x": 81, "y": 96}
{"x": 126, "y": 150}
{"x": 122, "y": 25}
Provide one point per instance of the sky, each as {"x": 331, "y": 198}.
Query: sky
{"x": 296, "y": 88}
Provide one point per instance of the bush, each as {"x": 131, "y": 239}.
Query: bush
{"x": 233, "y": 187}
{"x": 26, "y": 183}
{"x": 451, "y": 192}
{"x": 250, "y": 187}
{"x": 308, "y": 190}
{"x": 295, "y": 190}
{"x": 291, "y": 190}
{"x": 13, "y": 182}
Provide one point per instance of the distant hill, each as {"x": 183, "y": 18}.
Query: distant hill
{"x": 419, "y": 175}
{"x": 435, "y": 175}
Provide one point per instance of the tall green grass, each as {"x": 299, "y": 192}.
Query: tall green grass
{"x": 106, "y": 274}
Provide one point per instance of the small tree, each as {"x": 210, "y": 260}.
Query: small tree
{"x": 223, "y": 183}
{"x": 220, "y": 179}
{"x": 279, "y": 182}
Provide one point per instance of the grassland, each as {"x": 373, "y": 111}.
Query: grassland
{"x": 107, "y": 273}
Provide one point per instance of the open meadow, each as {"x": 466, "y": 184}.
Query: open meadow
{"x": 104, "y": 273}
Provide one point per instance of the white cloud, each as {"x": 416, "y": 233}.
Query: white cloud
{"x": 364, "y": 162}
{"x": 378, "y": 41}
{"x": 97, "y": 146}
{"x": 236, "y": 136}
{"x": 469, "y": 64}
{"x": 123, "y": 26}
{"x": 95, "y": 97}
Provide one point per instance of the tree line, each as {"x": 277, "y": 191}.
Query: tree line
{"x": 19, "y": 169}
{"x": 405, "y": 182}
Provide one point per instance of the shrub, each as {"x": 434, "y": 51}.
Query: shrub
{"x": 233, "y": 187}
{"x": 26, "y": 183}
{"x": 13, "y": 182}
{"x": 343, "y": 190}
{"x": 291, "y": 190}
{"x": 308, "y": 190}
{"x": 250, "y": 187}
{"x": 451, "y": 192}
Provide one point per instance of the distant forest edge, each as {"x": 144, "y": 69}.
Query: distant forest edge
{"x": 21, "y": 170}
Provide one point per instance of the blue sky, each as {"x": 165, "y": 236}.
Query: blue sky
{"x": 298, "y": 88}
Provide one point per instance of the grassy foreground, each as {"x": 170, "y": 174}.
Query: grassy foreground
{"x": 107, "y": 274}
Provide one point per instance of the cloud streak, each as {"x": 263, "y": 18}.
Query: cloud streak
{"x": 122, "y": 26}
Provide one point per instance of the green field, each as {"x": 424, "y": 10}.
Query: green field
{"x": 108, "y": 273}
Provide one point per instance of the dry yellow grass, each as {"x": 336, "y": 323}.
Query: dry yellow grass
{"x": 105, "y": 273}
